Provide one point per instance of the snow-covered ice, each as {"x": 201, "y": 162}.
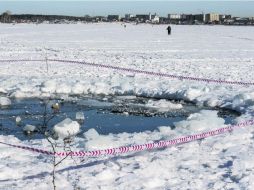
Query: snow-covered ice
{"x": 5, "y": 101}
{"x": 215, "y": 52}
{"x": 80, "y": 116}
{"x": 163, "y": 105}
{"x": 200, "y": 121}
{"x": 29, "y": 128}
{"x": 18, "y": 120}
{"x": 66, "y": 128}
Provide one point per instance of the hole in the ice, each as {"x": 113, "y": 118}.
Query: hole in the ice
{"x": 106, "y": 114}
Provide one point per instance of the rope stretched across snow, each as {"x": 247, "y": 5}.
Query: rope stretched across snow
{"x": 130, "y": 70}
{"x": 138, "y": 148}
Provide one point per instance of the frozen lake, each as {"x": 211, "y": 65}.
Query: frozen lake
{"x": 212, "y": 52}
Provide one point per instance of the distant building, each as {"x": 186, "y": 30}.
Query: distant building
{"x": 251, "y": 20}
{"x": 222, "y": 18}
{"x": 200, "y": 18}
{"x": 144, "y": 18}
{"x": 163, "y": 20}
{"x": 128, "y": 16}
{"x": 241, "y": 21}
{"x": 228, "y": 16}
{"x": 100, "y": 19}
{"x": 229, "y": 21}
{"x": 187, "y": 18}
{"x": 174, "y": 16}
{"x": 114, "y": 17}
{"x": 155, "y": 18}
{"x": 212, "y": 17}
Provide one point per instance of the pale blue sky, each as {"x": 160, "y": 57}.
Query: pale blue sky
{"x": 103, "y": 7}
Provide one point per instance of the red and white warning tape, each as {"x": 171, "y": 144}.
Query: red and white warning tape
{"x": 137, "y": 71}
{"x": 142, "y": 147}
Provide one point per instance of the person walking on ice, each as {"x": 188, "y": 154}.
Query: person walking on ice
{"x": 169, "y": 30}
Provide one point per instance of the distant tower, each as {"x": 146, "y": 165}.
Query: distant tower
{"x": 203, "y": 16}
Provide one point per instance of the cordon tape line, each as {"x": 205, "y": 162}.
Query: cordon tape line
{"x": 141, "y": 147}
{"x": 124, "y": 69}
{"x": 154, "y": 73}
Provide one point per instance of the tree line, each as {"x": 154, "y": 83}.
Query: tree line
{"x": 7, "y": 17}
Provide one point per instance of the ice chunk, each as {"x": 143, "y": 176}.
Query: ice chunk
{"x": 29, "y": 128}
{"x": 63, "y": 88}
{"x": 163, "y": 105}
{"x": 201, "y": 121}
{"x": 5, "y": 101}
{"x": 243, "y": 100}
{"x": 154, "y": 183}
{"x": 192, "y": 93}
{"x": 2, "y": 90}
{"x": 105, "y": 175}
{"x": 213, "y": 102}
{"x": 91, "y": 134}
{"x": 166, "y": 130}
{"x": 95, "y": 103}
{"x": 49, "y": 86}
{"x": 18, "y": 120}
{"x": 66, "y": 128}
{"x": 78, "y": 88}
{"x": 96, "y": 141}
{"x": 80, "y": 116}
